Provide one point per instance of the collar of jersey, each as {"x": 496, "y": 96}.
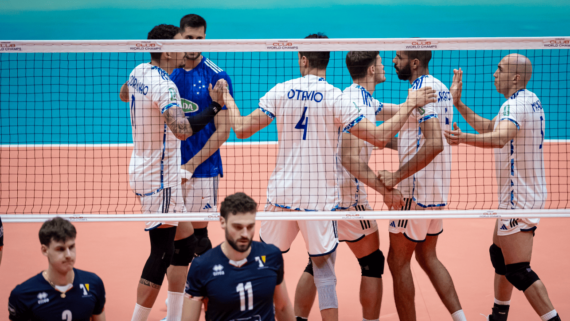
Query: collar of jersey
{"x": 419, "y": 79}
{"x": 239, "y": 263}
{"x": 198, "y": 66}
{"x": 515, "y": 95}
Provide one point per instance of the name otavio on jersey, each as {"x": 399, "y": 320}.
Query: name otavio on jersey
{"x": 138, "y": 86}
{"x": 444, "y": 96}
{"x": 305, "y": 95}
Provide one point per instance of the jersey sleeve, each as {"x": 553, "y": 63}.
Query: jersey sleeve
{"x": 271, "y": 100}
{"x": 17, "y": 309}
{"x": 347, "y": 112}
{"x": 280, "y": 267}
{"x": 101, "y": 297}
{"x": 379, "y": 108}
{"x": 165, "y": 95}
{"x": 194, "y": 284}
{"x": 515, "y": 112}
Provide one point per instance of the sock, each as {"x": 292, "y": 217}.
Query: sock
{"x": 141, "y": 313}
{"x": 500, "y": 311}
{"x": 301, "y": 319}
{"x": 175, "y": 302}
{"x": 458, "y": 316}
{"x": 497, "y": 302}
{"x": 549, "y": 316}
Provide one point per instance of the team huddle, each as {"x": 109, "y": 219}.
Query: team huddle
{"x": 182, "y": 108}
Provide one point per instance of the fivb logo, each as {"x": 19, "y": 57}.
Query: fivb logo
{"x": 218, "y": 270}
{"x": 189, "y": 106}
{"x": 42, "y": 298}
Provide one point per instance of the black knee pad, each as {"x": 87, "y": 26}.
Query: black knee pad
{"x": 203, "y": 241}
{"x": 309, "y": 267}
{"x": 521, "y": 275}
{"x": 497, "y": 259}
{"x": 184, "y": 251}
{"x": 372, "y": 265}
{"x": 161, "y": 252}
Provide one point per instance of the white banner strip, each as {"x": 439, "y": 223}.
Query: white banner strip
{"x": 294, "y": 216}
{"x": 259, "y": 45}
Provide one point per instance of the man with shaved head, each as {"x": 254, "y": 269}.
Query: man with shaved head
{"x": 517, "y": 135}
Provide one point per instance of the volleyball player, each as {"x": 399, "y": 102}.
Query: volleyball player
{"x": 240, "y": 279}
{"x": 424, "y": 177}
{"x": 61, "y": 292}
{"x": 367, "y": 71}
{"x": 158, "y": 124}
{"x": 309, "y": 120}
{"x": 517, "y": 136}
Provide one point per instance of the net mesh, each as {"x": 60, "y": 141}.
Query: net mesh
{"x": 66, "y": 138}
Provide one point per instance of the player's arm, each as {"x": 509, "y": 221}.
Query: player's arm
{"x": 191, "y": 309}
{"x": 245, "y": 126}
{"x": 283, "y": 307}
{"x": 392, "y": 144}
{"x": 124, "y": 93}
{"x": 431, "y": 148}
{"x": 381, "y": 135}
{"x": 99, "y": 317}
{"x": 480, "y": 124}
{"x": 419, "y": 97}
{"x": 505, "y": 132}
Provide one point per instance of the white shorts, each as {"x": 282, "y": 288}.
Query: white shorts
{"x": 355, "y": 230}
{"x": 506, "y": 226}
{"x": 169, "y": 200}
{"x": 321, "y": 237}
{"x": 415, "y": 230}
{"x": 201, "y": 194}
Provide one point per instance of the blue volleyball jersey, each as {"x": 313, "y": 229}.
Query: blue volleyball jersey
{"x": 237, "y": 293}
{"x": 37, "y": 300}
{"x": 193, "y": 88}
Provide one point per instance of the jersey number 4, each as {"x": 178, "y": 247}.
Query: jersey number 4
{"x": 241, "y": 289}
{"x": 304, "y": 126}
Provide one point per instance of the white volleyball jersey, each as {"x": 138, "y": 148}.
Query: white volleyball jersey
{"x": 428, "y": 187}
{"x": 155, "y": 160}
{"x": 520, "y": 163}
{"x": 308, "y": 121}
{"x": 352, "y": 191}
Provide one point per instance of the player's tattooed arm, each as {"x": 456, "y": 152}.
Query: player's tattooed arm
{"x": 124, "y": 94}
{"x": 480, "y": 124}
{"x": 177, "y": 122}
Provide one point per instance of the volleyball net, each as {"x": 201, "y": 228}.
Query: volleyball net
{"x": 66, "y": 137}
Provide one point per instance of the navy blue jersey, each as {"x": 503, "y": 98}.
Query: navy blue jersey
{"x": 193, "y": 88}
{"x": 237, "y": 293}
{"x": 1, "y": 233}
{"x": 37, "y": 300}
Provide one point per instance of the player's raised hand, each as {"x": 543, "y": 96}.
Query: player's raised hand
{"x": 394, "y": 199}
{"x": 422, "y": 96}
{"x": 216, "y": 92}
{"x": 453, "y": 137}
{"x": 456, "y": 86}
{"x": 387, "y": 178}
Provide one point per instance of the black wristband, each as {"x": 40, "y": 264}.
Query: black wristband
{"x": 198, "y": 122}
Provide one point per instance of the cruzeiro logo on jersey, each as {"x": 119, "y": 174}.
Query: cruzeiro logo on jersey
{"x": 42, "y": 298}
{"x": 218, "y": 270}
{"x": 189, "y": 106}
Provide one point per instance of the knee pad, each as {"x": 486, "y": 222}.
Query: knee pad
{"x": 309, "y": 268}
{"x": 372, "y": 265}
{"x": 161, "y": 252}
{"x": 497, "y": 259}
{"x": 184, "y": 251}
{"x": 203, "y": 241}
{"x": 521, "y": 275}
{"x": 325, "y": 281}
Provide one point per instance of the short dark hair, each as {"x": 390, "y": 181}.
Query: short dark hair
{"x": 161, "y": 32}
{"x": 317, "y": 59}
{"x": 192, "y": 21}
{"x": 57, "y": 229}
{"x": 358, "y": 62}
{"x": 237, "y": 203}
{"x": 423, "y": 56}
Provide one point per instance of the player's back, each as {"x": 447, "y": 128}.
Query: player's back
{"x": 519, "y": 164}
{"x": 308, "y": 125}
{"x": 37, "y": 300}
{"x": 428, "y": 187}
{"x": 237, "y": 290}
{"x": 351, "y": 189}
{"x": 156, "y": 152}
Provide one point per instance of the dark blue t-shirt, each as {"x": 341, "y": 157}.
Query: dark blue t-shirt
{"x": 244, "y": 293}
{"x": 37, "y": 300}
{"x": 193, "y": 88}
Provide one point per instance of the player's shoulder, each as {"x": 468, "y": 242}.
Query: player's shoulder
{"x": 212, "y": 67}
{"x": 34, "y": 284}
{"x": 265, "y": 249}
{"x": 524, "y": 96}
{"x": 429, "y": 81}
{"x": 86, "y": 276}
{"x": 208, "y": 259}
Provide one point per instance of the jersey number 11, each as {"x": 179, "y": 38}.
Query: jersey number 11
{"x": 242, "y": 289}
